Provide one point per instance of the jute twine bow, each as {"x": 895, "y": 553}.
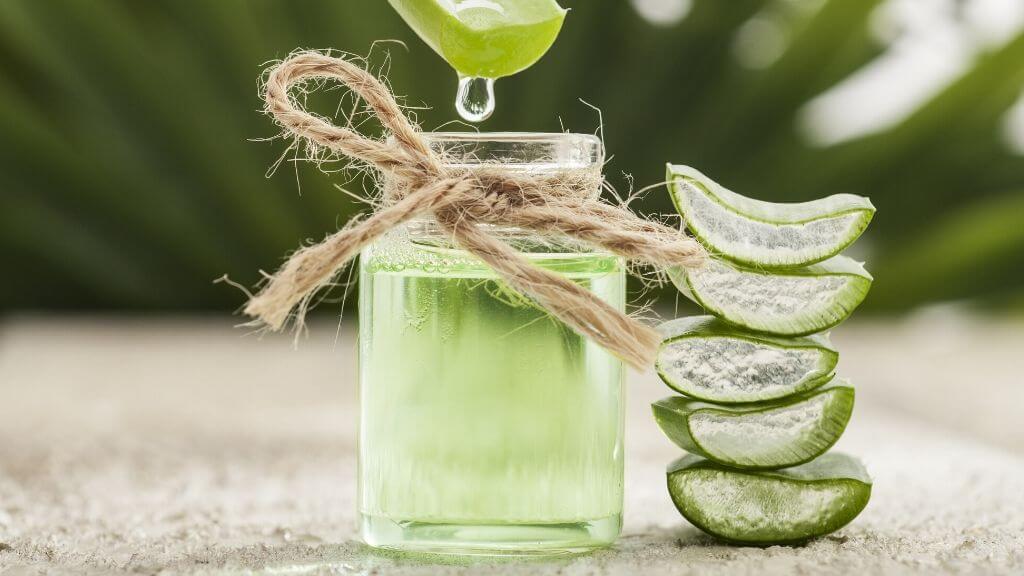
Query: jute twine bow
{"x": 418, "y": 183}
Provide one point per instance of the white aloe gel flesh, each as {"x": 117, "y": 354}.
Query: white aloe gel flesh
{"x": 705, "y": 358}
{"x": 774, "y": 434}
{"x": 771, "y": 507}
{"x": 766, "y": 234}
{"x": 791, "y": 302}
{"x": 788, "y": 432}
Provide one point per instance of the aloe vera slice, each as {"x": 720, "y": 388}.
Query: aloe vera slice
{"x": 766, "y": 234}
{"x": 707, "y": 359}
{"x": 485, "y": 38}
{"x": 785, "y": 506}
{"x": 764, "y": 435}
{"x": 791, "y": 302}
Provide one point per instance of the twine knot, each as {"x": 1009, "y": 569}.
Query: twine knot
{"x": 417, "y": 182}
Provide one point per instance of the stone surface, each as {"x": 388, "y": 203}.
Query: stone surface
{"x": 179, "y": 446}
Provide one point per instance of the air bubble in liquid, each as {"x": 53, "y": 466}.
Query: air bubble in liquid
{"x": 475, "y": 99}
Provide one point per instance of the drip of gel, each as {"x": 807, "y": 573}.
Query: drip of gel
{"x": 475, "y": 99}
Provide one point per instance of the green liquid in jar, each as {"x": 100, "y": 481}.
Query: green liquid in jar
{"x": 486, "y": 425}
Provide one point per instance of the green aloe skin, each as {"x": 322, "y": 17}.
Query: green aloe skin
{"x": 756, "y": 415}
{"x": 766, "y": 234}
{"x": 708, "y": 359}
{"x": 764, "y": 435}
{"x": 789, "y": 302}
{"x": 786, "y": 506}
{"x": 489, "y": 39}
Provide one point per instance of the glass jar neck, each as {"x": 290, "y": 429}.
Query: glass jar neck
{"x": 427, "y": 231}
{"x": 519, "y": 151}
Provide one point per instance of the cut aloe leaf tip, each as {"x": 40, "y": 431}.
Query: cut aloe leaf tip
{"x": 791, "y": 302}
{"x": 766, "y": 234}
{"x": 705, "y": 358}
{"x": 485, "y": 39}
{"x": 764, "y": 435}
{"x": 785, "y": 506}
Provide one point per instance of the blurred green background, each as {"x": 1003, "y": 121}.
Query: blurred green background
{"x": 130, "y": 177}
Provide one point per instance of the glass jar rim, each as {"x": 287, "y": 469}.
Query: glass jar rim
{"x": 533, "y": 150}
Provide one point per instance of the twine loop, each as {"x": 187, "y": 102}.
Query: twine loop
{"x": 418, "y": 183}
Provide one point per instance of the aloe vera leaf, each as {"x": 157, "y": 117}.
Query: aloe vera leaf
{"x": 785, "y": 506}
{"x": 766, "y": 234}
{"x": 791, "y": 302}
{"x": 485, "y": 38}
{"x": 708, "y": 359}
{"x": 762, "y": 435}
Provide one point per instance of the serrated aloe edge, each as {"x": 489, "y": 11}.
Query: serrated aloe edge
{"x": 762, "y": 435}
{"x": 766, "y": 234}
{"x": 707, "y": 359}
{"x": 787, "y": 506}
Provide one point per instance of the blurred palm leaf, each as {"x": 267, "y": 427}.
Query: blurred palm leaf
{"x": 129, "y": 178}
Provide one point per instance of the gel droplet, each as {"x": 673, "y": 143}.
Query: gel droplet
{"x": 475, "y": 99}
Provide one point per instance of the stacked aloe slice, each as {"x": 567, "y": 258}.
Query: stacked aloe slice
{"x": 760, "y": 401}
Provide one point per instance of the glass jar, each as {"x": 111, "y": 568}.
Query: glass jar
{"x": 486, "y": 425}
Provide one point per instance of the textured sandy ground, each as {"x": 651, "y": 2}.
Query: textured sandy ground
{"x": 180, "y": 447}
